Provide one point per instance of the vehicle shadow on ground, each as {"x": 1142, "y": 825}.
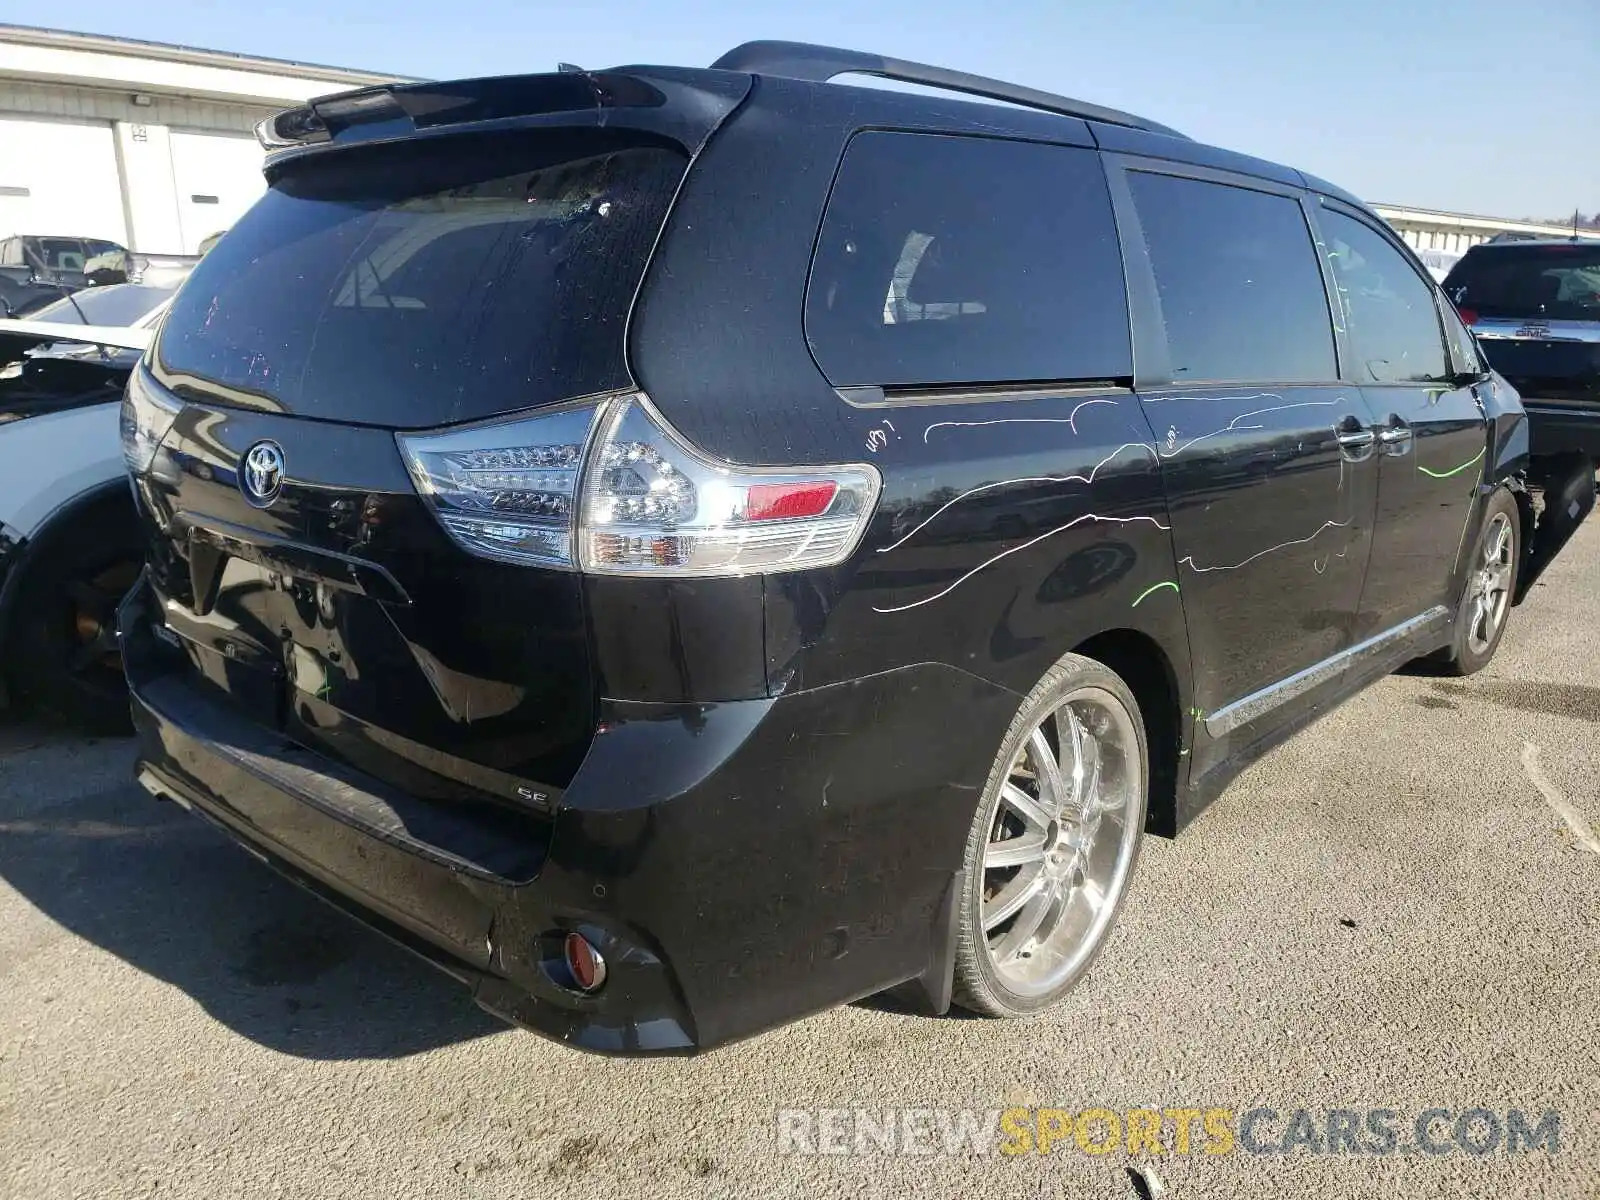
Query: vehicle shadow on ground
{"x": 901, "y": 1003}
{"x": 167, "y": 894}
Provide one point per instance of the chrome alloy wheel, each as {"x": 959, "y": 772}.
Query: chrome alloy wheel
{"x": 1489, "y": 587}
{"x": 1061, "y": 841}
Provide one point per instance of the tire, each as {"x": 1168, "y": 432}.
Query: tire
{"x": 63, "y": 659}
{"x": 1492, "y": 580}
{"x": 1004, "y": 969}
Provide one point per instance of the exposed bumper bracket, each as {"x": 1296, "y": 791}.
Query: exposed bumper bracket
{"x": 1569, "y": 489}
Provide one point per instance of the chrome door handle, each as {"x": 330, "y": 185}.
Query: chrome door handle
{"x": 1395, "y": 438}
{"x": 1355, "y": 445}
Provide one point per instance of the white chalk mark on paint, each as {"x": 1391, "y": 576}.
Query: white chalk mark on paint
{"x": 877, "y": 439}
{"x": 1070, "y": 419}
{"x": 945, "y": 591}
{"x": 1158, "y": 395}
{"x": 1313, "y": 536}
{"x": 989, "y": 487}
{"x": 1233, "y": 426}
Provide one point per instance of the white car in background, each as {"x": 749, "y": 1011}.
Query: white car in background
{"x": 69, "y": 546}
{"x": 1438, "y": 262}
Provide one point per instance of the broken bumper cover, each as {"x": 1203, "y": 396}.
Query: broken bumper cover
{"x": 732, "y": 876}
{"x": 462, "y": 890}
{"x": 448, "y": 913}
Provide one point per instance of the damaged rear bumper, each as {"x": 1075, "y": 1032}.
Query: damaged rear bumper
{"x": 733, "y": 877}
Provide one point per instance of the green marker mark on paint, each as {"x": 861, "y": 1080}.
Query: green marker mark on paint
{"x": 1154, "y": 588}
{"x": 1473, "y": 461}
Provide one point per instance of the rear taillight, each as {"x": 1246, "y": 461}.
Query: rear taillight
{"x": 1469, "y": 316}
{"x": 147, "y": 415}
{"x": 650, "y": 503}
{"x": 508, "y": 489}
{"x": 654, "y": 505}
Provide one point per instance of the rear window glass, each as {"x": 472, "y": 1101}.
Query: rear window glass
{"x": 949, "y": 260}
{"x": 1241, "y": 293}
{"x": 1557, "y": 282}
{"x": 427, "y": 282}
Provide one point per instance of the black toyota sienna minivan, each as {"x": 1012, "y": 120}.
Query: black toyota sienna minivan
{"x": 681, "y": 549}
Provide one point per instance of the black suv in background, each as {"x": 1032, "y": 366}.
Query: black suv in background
{"x": 1535, "y": 308}
{"x": 681, "y": 549}
{"x": 35, "y": 270}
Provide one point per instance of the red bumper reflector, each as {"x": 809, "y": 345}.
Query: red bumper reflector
{"x": 783, "y": 501}
{"x": 587, "y": 967}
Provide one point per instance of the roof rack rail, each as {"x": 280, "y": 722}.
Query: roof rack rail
{"x": 801, "y": 60}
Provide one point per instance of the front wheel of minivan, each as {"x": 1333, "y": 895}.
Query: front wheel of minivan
{"x": 1053, "y": 843}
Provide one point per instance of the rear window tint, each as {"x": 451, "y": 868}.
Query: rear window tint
{"x": 948, "y": 260}
{"x": 1241, "y": 293}
{"x": 1556, "y": 282}
{"x": 427, "y": 282}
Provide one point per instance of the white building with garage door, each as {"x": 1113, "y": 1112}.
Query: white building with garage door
{"x": 147, "y": 145}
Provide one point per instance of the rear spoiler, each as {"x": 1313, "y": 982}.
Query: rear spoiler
{"x": 680, "y": 103}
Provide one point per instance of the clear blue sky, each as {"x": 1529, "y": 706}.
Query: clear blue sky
{"x": 1454, "y": 104}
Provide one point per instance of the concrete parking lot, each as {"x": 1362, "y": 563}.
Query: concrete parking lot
{"x": 1392, "y": 911}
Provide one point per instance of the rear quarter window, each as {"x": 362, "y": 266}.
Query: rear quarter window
{"x": 949, "y": 260}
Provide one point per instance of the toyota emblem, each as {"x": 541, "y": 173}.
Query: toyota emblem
{"x": 261, "y": 473}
